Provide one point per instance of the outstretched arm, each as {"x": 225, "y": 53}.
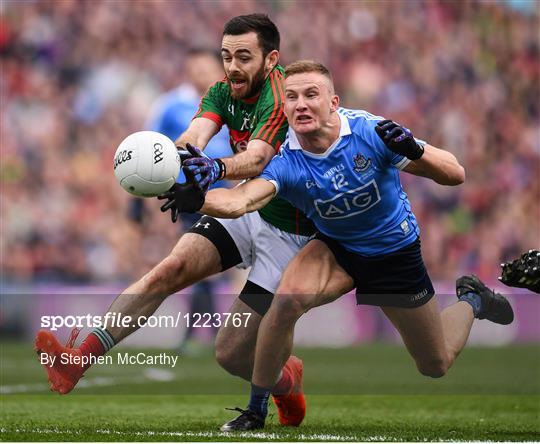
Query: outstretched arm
{"x": 426, "y": 160}
{"x": 245, "y": 198}
{"x": 199, "y": 133}
{"x": 249, "y": 163}
{"x": 439, "y": 165}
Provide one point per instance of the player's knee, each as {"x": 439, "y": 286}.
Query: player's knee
{"x": 229, "y": 359}
{"x": 288, "y": 306}
{"x": 167, "y": 276}
{"x": 224, "y": 357}
{"x": 434, "y": 368}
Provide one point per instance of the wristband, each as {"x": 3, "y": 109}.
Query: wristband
{"x": 222, "y": 169}
{"x": 419, "y": 152}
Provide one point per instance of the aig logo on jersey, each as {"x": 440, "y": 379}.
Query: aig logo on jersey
{"x": 349, "y": 203}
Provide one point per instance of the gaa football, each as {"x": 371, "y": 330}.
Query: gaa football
{"x": 146, "y": 164}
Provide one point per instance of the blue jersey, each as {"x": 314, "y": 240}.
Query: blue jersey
{"x": 173, "y": 111}
{"x": 352, "y": 192}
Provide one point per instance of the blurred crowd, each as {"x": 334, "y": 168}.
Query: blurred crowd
{"x": 78, "y": 76}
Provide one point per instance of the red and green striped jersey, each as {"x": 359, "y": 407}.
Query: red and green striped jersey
{"x": 261, "y": 117}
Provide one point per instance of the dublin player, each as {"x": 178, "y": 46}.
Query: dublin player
{"x": 249, "y": 102}
{"x": 342, "y": 168}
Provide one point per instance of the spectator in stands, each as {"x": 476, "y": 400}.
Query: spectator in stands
{"x": 79, "y": 76}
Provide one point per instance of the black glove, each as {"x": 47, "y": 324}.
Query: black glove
{"x": 183, "y": 198}
{"x": 399, "y": 139}
{"x": 523, "y": 272}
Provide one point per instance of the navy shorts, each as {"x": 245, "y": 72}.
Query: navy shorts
{"x": 397, "y": 279}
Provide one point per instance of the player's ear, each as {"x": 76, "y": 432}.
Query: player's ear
{"x": 271, "y": 60}
{"x": 334, "y": 103}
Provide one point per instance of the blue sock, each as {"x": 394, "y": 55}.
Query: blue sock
{"x": 474, "y": 300}
{"x": 258, "y": 400}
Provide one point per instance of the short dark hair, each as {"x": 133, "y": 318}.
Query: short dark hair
{"x": 266, "y": 30}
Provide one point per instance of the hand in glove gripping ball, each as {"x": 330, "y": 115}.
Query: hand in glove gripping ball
{"x": 183, "y": 198}
{"x": 206, "y": 169}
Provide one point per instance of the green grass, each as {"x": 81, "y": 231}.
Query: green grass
{"x": 197, "y": 417}
{"x": 356, "y": 394}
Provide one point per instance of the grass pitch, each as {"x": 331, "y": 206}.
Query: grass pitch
{"x": 368, "y": 393}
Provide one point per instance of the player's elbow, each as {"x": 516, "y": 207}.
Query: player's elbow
{"x": 459, "y": 176}
{"x": 452, "y": 178}
{"x": 225, "y": 203}
{"x": 258, "y": 161}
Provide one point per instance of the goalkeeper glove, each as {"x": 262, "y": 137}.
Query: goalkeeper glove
{"x": 209, "y": 170}
{"x": 399, "y": 139}
{"x": 183, "y": 198}
{"x": 523, "y": 272}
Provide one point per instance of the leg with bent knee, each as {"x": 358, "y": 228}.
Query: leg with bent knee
{"x": 193, "y": 258}
{"x": 235, "y": 352}
{"x": 433, "y": 338}
{"x": 322, "y": 281}
{"x": 275, "y": 371}
{"x": 235, "y": 346}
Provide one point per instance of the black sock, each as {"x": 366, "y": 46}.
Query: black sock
{"x": 258, "y": 400}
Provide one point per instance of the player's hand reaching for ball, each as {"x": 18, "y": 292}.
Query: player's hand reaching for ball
{"x": 183, "y": 198}
{"x": 399, "y": 139}
{"x": 207, "y": 169}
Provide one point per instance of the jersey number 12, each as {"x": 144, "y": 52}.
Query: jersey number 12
{"x": 339, "y": 181}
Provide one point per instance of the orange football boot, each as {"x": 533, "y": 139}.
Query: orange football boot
{"x": 292, "y": 406}
{"x": 62, "y": 377}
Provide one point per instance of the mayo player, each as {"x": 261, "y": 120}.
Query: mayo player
{"x": 249, "y": 100}
{"x": 341, "y": 167}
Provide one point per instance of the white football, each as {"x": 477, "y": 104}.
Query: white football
{"x": 146, "y": 164}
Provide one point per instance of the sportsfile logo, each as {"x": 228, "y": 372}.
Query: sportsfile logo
{"x": 118, "y": 320}
{"x": 350, "y": 203}
{"x": 109, "y": 320}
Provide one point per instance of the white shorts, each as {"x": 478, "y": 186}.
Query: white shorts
{"x": 263, "y": 247}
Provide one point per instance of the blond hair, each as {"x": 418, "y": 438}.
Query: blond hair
{"x": 305, "y": 66}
